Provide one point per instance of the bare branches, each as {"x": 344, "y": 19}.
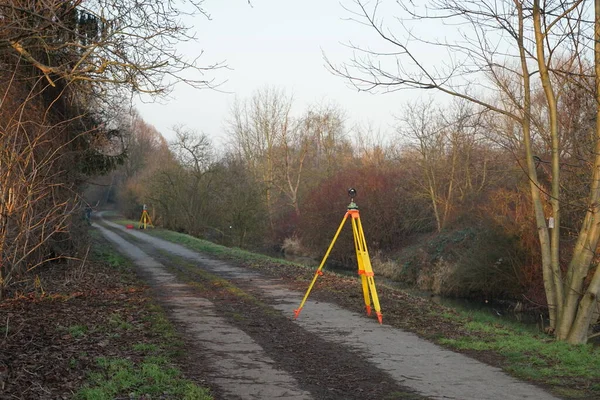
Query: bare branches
{"x": 101, "y": 44}
{"x": 193, "y": 150}
{"x": 471, "y": 40}
{"x": 36, "y": 203}
{"x": 64, "y": 68}
{"x": 522, "y": 59}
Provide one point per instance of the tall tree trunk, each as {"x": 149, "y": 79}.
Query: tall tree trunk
{"x": 576, "y": 312}
{"x": 450, "y": 193}
{"x": 534, "y": 185}
{"x": 585, "y": 311}
{"x": 555, "y": 199}
{"x": 433, "y": 195}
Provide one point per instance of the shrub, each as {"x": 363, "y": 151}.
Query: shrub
{"x": 489, "y": 266}
{"x": 389, "y": 213}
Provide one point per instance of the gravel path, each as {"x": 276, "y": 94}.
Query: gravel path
{"x": 244, "y": 371}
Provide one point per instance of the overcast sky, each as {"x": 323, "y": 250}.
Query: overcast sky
{"x": 278, "y": 43}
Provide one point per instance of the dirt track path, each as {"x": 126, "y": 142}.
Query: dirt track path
{"x": 242, "y": 368}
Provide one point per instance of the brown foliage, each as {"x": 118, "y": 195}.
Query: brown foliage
{"x": 48, "y": 144}
{"x": 389, "y": 213}
{"x": 36, "y": 182}
{"x": 64, "y": 67}
{"x": 511, "y": 212}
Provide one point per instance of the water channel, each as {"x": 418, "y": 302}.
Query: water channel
{"x": 504, "y": 310}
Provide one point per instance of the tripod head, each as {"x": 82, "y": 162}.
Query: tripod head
{"x": 352, "y": 194}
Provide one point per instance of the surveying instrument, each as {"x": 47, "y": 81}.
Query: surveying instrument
{"x": 145, "y": 219}
{"x": 365, "y": 271}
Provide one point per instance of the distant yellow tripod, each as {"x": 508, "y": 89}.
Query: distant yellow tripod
{"x": 145, "y": 219}
{"x": 365, "y": 271}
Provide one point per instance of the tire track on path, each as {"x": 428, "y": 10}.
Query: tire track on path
{"x": 413, "y": 362}
{"x": 241, "y": 368}
{"x": 327, "y": 370}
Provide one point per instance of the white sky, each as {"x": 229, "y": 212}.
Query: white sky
{"x": 277, "y": 43}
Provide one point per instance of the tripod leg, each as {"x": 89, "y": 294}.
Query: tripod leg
{"x": 365, "y": 288}
{"x": 319, "y": 272}
{"x": 147, "y": 220}
{"x": 358, "y": 245}
{"x": 371, "y": 281}
{"x": 365, "y": 270}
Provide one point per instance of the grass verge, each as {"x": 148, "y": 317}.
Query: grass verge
{"x": 93, "y": 332}
{"x": 152, "y": 377}
{"x": 204, "y": 246}
{"x": 531, "y": 355}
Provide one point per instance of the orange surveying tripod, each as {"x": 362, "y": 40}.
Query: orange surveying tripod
{"x": 145, "y": 219}
{"x": 365, "y": 271}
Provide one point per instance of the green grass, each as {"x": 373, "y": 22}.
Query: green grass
{"x": 77, "y": 331}
{"x": 207, "y": 247}
{"x": 153, "y": 376}
{"x": 148, "y": 370}
{"x": 117, "y": 322}
{"x": 102, "y": 251}
{"x": 146, "y": 348}
{"x": 223, "y": 252}
{"x": 449, "y": 316}
{"x": 529, "y": 354}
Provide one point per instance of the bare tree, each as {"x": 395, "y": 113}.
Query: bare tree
{"x": 294, "y": 142}
{"x": 65, "y": 67}
{"x": 331, "y": 148}
{"x": 371, "y": 147}
{"x": 444, "y": 141}
{"x": 101, "y": 44}
{"x": 422, "y": 125}
{"x": 256, "y": 129}
{"x": 141, "y": 143}
{"x": 498, "y": 52}
{"x": 38, "y": 183}
{"x": 193, "y": 150}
